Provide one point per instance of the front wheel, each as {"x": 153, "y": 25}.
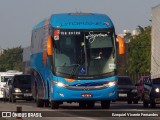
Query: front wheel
{"x": 13, "y": 99}
{"x": 145, "y": 104}
{"x": 153, "y": 104}
{"x": 129, "y": 101}
{"x": 105, "y": 104}
{"x": 54, "y": 105}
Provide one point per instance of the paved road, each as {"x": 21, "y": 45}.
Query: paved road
{"x": 70, "y": 111}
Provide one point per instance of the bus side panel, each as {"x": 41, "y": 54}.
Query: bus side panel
{"x": 37, "y": 72}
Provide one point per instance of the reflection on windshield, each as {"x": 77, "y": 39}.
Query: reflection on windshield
{"x": 86, "y": 53}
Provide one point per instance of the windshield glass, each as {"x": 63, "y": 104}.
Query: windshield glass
{"x": 22, "y": 80}
{"x": 85, "y": 53}
{"x": 156, "y": 81}
{"x": 6, "y": 78}
{"x": 124, "y": 81}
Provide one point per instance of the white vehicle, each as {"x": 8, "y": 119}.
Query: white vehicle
{"x": 4, "y": 77}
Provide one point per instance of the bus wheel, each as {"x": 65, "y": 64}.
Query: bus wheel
{"x": 90, "y": 104}
{"x": 39, "y": 102}
{"x": 105, "y": 104}
{"x": 54, "y": 105}
{"x": 82, "y": 105}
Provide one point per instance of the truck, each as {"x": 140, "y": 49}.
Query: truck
{"x": 4, "y": 77}
{"x": 152, "y": 85}
{"x": 155, "y": 54}
{"x": 73, "y": 58}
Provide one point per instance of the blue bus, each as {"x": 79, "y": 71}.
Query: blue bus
{"x": 74, "y": 59}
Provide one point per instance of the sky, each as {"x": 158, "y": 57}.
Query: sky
{"x": 17, "y": 17}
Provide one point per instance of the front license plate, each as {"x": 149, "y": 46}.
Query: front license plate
{"x": 157, "y": 100}
{"x": 27, "y": 94}
{"x": 122, "y": 95}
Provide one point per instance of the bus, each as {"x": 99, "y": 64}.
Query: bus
{"x": 74, "y": 59}
{"x": 4, "y": 77}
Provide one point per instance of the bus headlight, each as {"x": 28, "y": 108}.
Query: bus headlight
{"x": 17, "y": 90}
{"x": 157, "y": 89}
{"x": 59, "y": 84}
{"x": 110, "y": 84}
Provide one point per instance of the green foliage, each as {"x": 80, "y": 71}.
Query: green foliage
{"x": 139, "y": 51}
{"x": 11, "y": 59}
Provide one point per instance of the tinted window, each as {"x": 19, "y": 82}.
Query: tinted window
{"x": 22, "y": 80}
{"x": 124, "y": 81}
{"x": 156, "y": 81}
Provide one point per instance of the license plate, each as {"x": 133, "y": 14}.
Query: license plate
{"x": 27, "y": 94}
{"x": 122, "y": 95}
{"x": 86, "y": 95}
{"x": 157, "y": 100}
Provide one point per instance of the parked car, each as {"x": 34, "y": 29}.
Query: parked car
{"x": 140, "y": 86}
{"x": 6, "y": 90}
{"x": 151, "y": 92}
{"x": 127, "y": 90}
{"x": 20, "y": 88}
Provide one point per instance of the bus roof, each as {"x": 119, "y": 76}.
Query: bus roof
{"x": 77, "y": 21}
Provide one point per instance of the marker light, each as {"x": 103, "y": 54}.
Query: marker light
{"x": 157, "y": 89}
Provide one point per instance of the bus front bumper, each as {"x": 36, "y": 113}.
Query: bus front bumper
{"x": 64, "y": 94}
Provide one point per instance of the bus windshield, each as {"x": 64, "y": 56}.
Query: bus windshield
{"x": 6, "y": 78}
{"x": 85, "y": 53}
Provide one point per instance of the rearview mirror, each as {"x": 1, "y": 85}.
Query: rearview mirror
{"x": 121, "y": 45}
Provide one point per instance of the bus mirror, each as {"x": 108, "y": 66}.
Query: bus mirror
{"x": 49, "y": 46}
{"x": 121, "y": 45}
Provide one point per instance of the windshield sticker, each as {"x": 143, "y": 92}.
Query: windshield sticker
{"x": 56, "y": 34}
{"x": 82, "y": 70}
{"x": 112, "y": 66}
{"x": 92, "y": 36}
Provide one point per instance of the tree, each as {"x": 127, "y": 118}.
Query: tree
{"x": 11, "y": 59}
{"x": 139, "y": 51}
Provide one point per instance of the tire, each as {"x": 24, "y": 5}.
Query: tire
{"x": 129, "y": 101}
{"x": 135, "y": 101}
{"x": 46, "y": 103}
{"x": 39, "y": 102}
{"x": 13, "y": 99}
{"x": 153, "y": 104}
{"x": 54, "y": 105}
{"x": 82, "y": 105}
{"x": 145, "y": 104}
{"x": 90, "y": 104}
{"x": 105, "y": 104}
{"x": 10, "y": 98}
